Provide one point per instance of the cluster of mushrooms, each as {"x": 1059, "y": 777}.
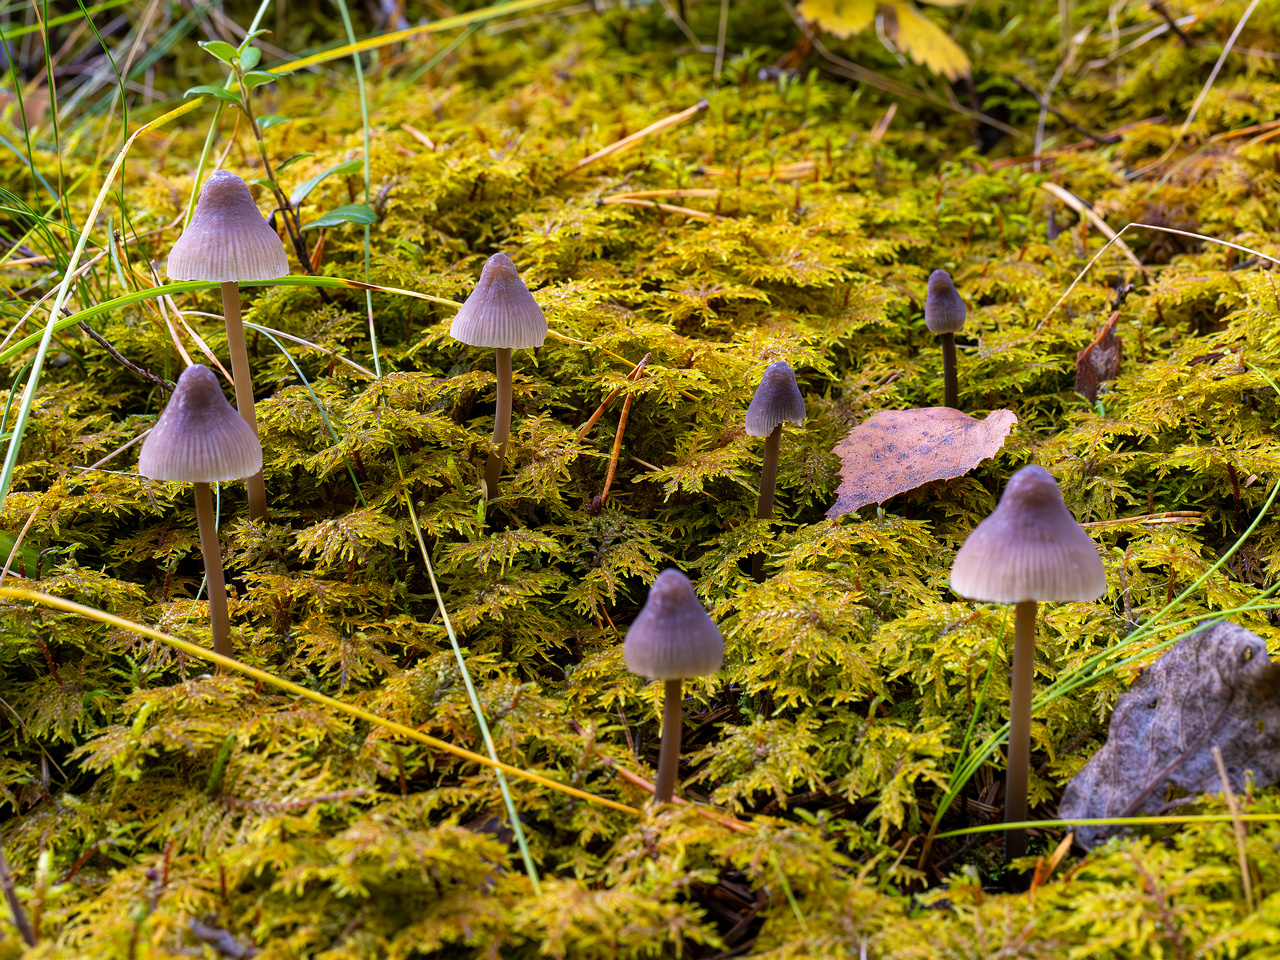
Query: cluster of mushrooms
{"x": 1029, "y": 550}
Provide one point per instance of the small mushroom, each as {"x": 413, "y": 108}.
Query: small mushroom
{"x": 673, "y": 638}
{"x": 776, "y": 399}
{"x": 200, "y": 439}
{"x": 228, "y": 241}
{"x": 500, "y": 313}
{"x": 1029, "y": 549}
{"x": 944, "y": 315}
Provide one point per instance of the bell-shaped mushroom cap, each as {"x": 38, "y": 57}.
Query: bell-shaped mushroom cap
{"x": 199, "y": 437}
{"x": 673, "y": 637}
{"x": 500, "y": 312}
{"x": 776, "y": 399}
{"x": 1029, "y": 548}
{"x": 943, "y": 309}
{"x": 227, "y": 238}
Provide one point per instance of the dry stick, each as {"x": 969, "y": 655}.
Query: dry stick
{"x": 212, "y": 551}
{"x": 244, "y": 392}
{"x": 627, "y": 142}
{"x": 124, "y": 361}
{"x": 949, "y": 391}
{"x": 15, "y": 905}
{"x": 669, "y": 753}
{"x": 591, "y": 421}
{"x": 617, "y": 448}
{"x": 501, "y": 424}
{"x": 764, "y": 504}
{"x": 1238, "y": 827}
{"x": 1103, "y": 138}
{"x": 1015, "y": 791}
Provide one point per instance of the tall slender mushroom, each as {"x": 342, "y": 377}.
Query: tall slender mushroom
{"x": 1029, "y": 549}
{"x": 944, "y": 315}
{"x": 777, "y": 399}
{"x": 200, "y": 439}
{"x": 500, "y": 313}
{"x": 228, "y": 241}
{"x": 672, "y": 639}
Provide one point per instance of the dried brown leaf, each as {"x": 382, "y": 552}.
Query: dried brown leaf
{"x": 1099, "y": 361}
{"x": 899, "y": 450}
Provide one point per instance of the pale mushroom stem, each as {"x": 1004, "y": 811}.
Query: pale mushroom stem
{"x": 501, "y": 424}
{"x": 669, "y": 753}
{"x": 764, "y": 505}
{"x": 949, "y": 391}
{"x": 1015, "y": 789}
{"x": 244, "y": 387}
{"x": 213, "y": 570}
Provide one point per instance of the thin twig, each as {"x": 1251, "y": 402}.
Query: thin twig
{"x": 1208, "y": 84}
{"x": 1104, "y": 138}
{"x": 628, "y": 142}
{"x": 630, "y": 378}
{"x": 124, "y": 361}
{"x": 15, "y": 905}
{"x": 1158, "y": 7}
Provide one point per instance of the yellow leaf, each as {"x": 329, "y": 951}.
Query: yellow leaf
{"x": 842, "y": 18}
{"x": 924, "y": 41}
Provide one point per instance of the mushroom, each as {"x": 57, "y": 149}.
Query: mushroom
{"x": 500, "y": 313}
{"x": 200, "y": 439}
{"x": 673, "y": 638}
{"x": 228, "y": 241}
{"x": 776, "y": 399}
{"x": 1029, "y": 549}
{"x": 944, "y": 315}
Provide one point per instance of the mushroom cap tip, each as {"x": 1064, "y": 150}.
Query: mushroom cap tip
{"x": 944, "y": 310}
{"x": 776, "y": 399}
{"x": 227, "y": 239}
{"x": 500, "y": 312}
{"x": 1029, "y": 548}
{"x": 673, "y": 637}
{"x": 199, "y": 437}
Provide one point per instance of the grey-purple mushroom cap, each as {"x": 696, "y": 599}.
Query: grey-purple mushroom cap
{"x": 501, "y": 312}
{"x": 673, "y": 637}
{"x": 199, "y": 438}
{"x": 227, "y": 239}
{"x": 1029, "y": 548}
{"x": 944, "y": 311}
{"x": 776, "y": 399}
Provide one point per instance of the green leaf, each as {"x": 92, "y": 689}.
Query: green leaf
{"x": 223, "y": 51}
{"x": 250, "y": 57}
{"x": 347, "y": 213}
{"x": 292, "y": 160}
{"x": 265, "y": 182}
{"x": 271, "y": 120}
{"x": 249, "y": 38}
{"x": 256, "y": 78}
{"x": 303, "y": 189}
{"x": 212, "y": 90}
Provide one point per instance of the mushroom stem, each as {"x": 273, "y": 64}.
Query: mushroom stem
{"x": 501, "y": 423}
{"x": 764, "y": 505}
{"x": 244, "y": 386}
{"x": 669, "y": 754}
{"x": 948, "y": 341}
{"x": 213, "y": 570}
{"x": 1015, "y": 790}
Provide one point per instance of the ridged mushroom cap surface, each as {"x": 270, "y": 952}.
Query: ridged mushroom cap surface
{"x": 776, "y": 399}
{"x": 673, "y": 637}
{"x": 227, "y": 239}
{"x": 199, "y": 438}
{"x": 501, "y": 312}
{"x": 944, "y": 311}
{"x": 1029, "y": 548}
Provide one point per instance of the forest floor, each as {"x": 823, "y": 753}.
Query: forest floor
{"x": 156, "y": 805}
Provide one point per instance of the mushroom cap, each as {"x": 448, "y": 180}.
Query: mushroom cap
{"x": 199, "y": 437}
{"x": 776, "y": 399}
{"x": 673, "y": 637}
{"x": 500, "y": 312}
{"x": 1029, "y": 548}
{"x": 943, "y": 309}
{"x": 227, "y": 239}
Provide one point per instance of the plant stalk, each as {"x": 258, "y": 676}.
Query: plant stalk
{"x": 501, "y": 424}
{"x": 764, "y": 505}
{"x": 244, "y": 387}
{"x": 1024, "y": 667}
{"x": 669, "y": 753}
{"x": 948, "y": 341}
{"x": 213, "y": 570}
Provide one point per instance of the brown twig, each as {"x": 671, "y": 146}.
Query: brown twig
{"x": 124, "y": 361}
{"x": 617, "y": 448}
{"x": 631, "y": 377}
{"x": 15, "y": 905}
{"x": 627, "y": 142}
{"x": 1159, "y": 8}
